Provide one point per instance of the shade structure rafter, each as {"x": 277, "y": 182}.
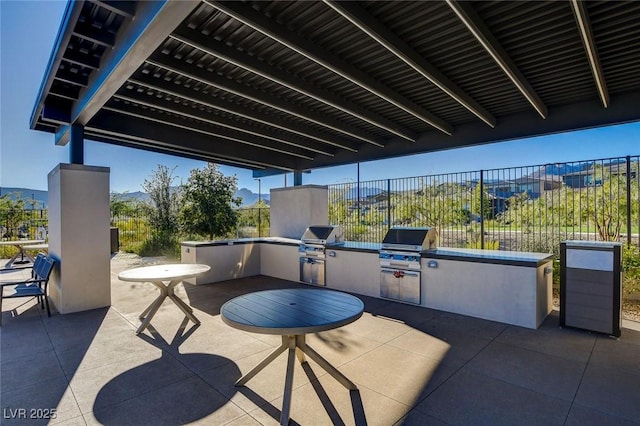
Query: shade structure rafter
{"x": 259, "y": 22}
{"x": 178, "y": 108}
{"x": 124, "y": 124}
{"x": 197, "y": 126}
{"x": 278, "y": 86}
{"x": 586, "y": 33}
{"x": 483, "y": 35}
{"x": 249, "y": 63}
{"x": 197, "y": 97}
{"x": 179, "y": 67}
{"x": 376, "y": 30}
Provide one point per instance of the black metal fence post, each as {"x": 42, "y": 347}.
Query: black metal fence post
{"x": 358, "y": 197}
{"x": 628, "y": 201}
{"x": 482, "y": 209}
{"x": 388, "y": 203}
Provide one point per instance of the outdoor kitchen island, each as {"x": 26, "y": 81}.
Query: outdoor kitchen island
{"x": 509, "y": 287}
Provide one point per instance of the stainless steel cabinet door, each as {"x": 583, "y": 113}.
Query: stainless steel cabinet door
{"x": 400, "y": 285}
{"x": 312, "y": 271}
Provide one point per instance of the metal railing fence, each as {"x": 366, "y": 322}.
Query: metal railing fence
{"x": 253, "y": 222}
{"x": 22, "y": 223}
{"x": 133, "y": 228}
{"x": 529, "y": 208}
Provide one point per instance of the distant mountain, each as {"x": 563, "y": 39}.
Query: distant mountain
{"x": 137, "y": 196}
{"x": 249, "y": 198}
{"x": 564, "y": 169}
{"x": 567, "y": 169}
{"x": 41, "y": 200}
{"x": 365, "y": 192}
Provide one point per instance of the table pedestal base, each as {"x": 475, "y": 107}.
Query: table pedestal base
{"x": 165, "y": 291}
{"x": 297, "y": 346}
{"x": 22, "y": 254}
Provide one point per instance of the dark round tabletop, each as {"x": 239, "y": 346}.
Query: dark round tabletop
{"x": 291, "y": 311}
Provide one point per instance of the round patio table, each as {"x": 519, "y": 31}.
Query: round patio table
{"x": 292, "y": 313}
{"x": 157, "y": 275}
{"x": 20, "y": 245}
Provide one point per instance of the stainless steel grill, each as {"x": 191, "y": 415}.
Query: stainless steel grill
{"x": 400, "y": 269}
{"x": 312, "y": 252}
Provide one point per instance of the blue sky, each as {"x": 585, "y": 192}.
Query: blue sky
{"x": 27, "y": 34}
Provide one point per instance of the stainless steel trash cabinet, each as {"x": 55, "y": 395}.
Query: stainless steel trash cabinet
{"x": 591, "y": 286}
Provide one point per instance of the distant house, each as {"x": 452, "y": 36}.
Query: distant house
{"x": 580, "y": 179}
{"x": 588, "y": 177}
{"x": 534, "y": 185}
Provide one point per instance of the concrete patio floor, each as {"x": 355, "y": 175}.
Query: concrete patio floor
{"x": 412, "y": 365}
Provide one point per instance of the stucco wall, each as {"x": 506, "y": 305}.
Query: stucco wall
{"x": 296, "y": 208}
{"x": 79, "y": 237}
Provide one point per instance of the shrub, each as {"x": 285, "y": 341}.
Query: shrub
{"x": 556, "y": 274}
{"x": 161, "y": 244}
{"x": 631, "y": 269}
{"x": 488, "y": 244}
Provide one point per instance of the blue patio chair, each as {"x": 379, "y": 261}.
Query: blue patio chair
{"x": 36, "y": 286}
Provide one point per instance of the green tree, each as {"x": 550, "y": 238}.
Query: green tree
{"x": 437, "y": 204}
{"x": 339, "y": 207}
{"x": 606, "y": 205}
{"x": 12, "y": 209}
{"x": 165, "y": 200}
{"x": 481, "y": 203}
{"x": 209, "y": 207}
{"x": 121, "y": 206}
{"x": 162, "y": 210}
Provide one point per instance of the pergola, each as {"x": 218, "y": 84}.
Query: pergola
{"x": 281, "y": 86}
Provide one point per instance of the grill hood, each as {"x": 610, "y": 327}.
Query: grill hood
{"x": 323, "y": 234}
{"x": 413, "y": 239}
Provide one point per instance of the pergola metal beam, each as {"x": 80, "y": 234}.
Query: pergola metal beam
{"x": 249, "y": 16}
{"x": 70, "y": 17}
{"x": 56, "y": 110}
{"x": 221, "y": 135}
{"x": 375, "y": 29}
{"x": 198, "y": 97}
{"x": 128, "y": 141}
{"x": 469, "y": 17}
{"x": 165, "y": 135}
{"x": 586, "y": 33}
{"x": 136, "y": 40}
{"x": 212, "y": 79}
{"x": 82, "y": 59}
{"x": 218, "y": 120}
{"x": 94, "y": 35}
{"x": 250, "y": 63}
{"x": 70, "y": 78}
{"x": 524, "y": 124}
{"x": 119, "y": 7}
{"x": 239, "y": 99}
{"x": 69, "y": 96}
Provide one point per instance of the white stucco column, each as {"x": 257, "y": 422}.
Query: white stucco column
{"x": 79, "y": 237}
{"x": 294, "y": 209}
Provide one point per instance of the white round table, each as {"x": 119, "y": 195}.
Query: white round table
{"x": 165, "y": 278}
{"x": 19, "y": 244}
